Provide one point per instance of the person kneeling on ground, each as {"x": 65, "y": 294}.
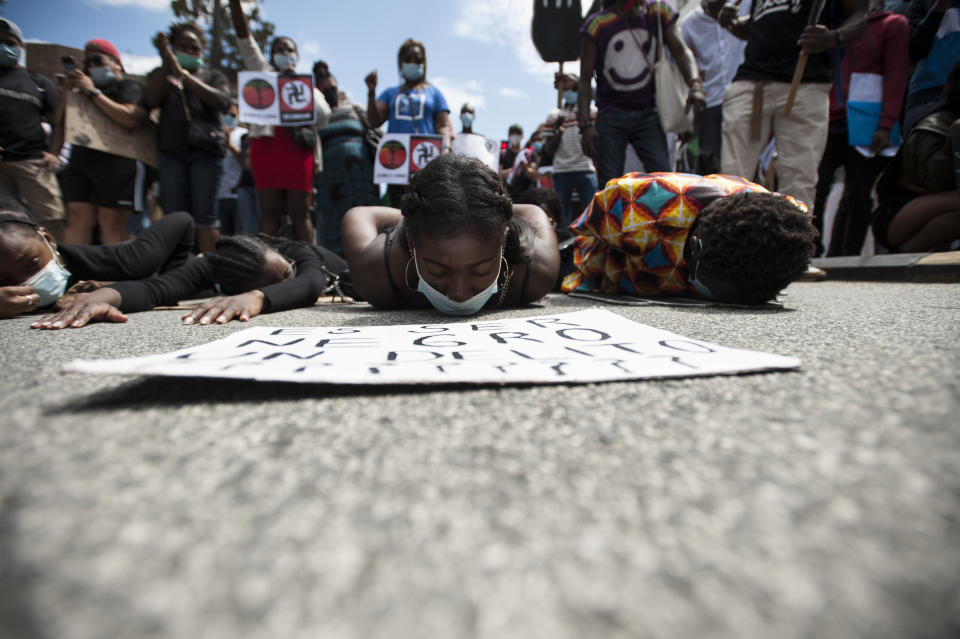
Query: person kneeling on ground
{"x": 35, "y": 271}
{"x": 253, "y": 274}
{"x": 457, "y": 244}
{"x": 715, "y": 237}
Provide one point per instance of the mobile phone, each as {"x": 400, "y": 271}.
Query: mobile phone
{"x": 68, "y": 62}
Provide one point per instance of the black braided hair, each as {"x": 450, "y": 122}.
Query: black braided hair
{"x": 237, "y": 260}
{"x": 757, "y": 242}
{"x": 455, "y": 194}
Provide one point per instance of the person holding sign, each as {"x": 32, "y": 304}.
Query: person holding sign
{"x": 415, "y": 106}
{"x": 283, "y": 158}
{"x": 457, "y": 243}
{"x": 98, "y": 187}
{"x": 190, "y": 140}
{"x": 716, "y": 237}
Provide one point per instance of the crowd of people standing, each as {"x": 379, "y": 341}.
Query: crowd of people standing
{"x": 869, "y": 86}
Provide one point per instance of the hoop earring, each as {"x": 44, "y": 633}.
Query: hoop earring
{"x": 506, "y": 280}
{"x": 406, "y": 274}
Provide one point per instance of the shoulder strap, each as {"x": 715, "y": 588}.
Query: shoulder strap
{"x": 635, "y": 38}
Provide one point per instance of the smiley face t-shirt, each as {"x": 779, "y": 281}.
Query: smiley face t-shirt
{"x": 625, "y": 51}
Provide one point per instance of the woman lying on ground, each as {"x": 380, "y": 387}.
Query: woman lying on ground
{"x": 252, "y": 274}
{"x": 457, "y": 244}
{"x": 35, "y": 271}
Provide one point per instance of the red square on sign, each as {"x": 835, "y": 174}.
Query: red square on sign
{"x": 423, "y": 150}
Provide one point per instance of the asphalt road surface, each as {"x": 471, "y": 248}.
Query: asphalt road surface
{"x": 823, "y": 502}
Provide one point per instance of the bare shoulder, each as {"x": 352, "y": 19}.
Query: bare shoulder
{"x": 544, "y": 265}
{"x": 364, "y": 233}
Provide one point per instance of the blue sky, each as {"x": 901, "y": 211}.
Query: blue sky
{"x": 477, "y": 50}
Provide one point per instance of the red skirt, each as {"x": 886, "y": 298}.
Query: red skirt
{"x": 280, "y": 163}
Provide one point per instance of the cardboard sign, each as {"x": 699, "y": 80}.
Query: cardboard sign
{"x": 487, "y": 150}
{"x": 86, "y": 125}
{"x": 586, "y": 346}
{"x": 401, "y": 155}
{"x": 268, "y": 98}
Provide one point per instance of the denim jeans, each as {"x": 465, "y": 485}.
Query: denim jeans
{"x": 188, "y": 182}
{"x": 585, "y": 182}
{"x": 641, "y": 128}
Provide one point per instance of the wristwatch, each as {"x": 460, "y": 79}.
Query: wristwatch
{"x": 94, "y": 93}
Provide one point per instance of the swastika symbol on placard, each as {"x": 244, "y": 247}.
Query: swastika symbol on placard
{"x": 296, "y": 94}
{"x": 423, "y": 154}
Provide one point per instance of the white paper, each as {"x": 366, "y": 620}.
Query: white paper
{"x": 487, "y": 150}
{"x": 594, "y": 345}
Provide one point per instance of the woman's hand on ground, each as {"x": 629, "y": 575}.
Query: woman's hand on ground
{"x": 15, "y": 300}
{"x": 87, "y": 308}
{"x": 221, "y": 310}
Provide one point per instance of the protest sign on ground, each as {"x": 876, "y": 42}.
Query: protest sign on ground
{"x": 268, "y": 98}
{"x": 86, "y": 125}
{"x": 594, "y": 345}
{"x": 401, "y": 155}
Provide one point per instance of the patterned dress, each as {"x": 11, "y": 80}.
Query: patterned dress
{"x": 633, "y": 233}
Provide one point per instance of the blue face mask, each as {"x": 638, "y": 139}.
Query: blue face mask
{"x": 569, "y": 97}
{"x": 412, "y": 72}
{"x": 538, "y": 146}
{"x": 50, "y": 282}
{"x": 448, "y": 306}
{"x": 9, "y": 56}
{"x": 102, "y": 76}
{"x": 466, "y": 119}
{"x": 228, "y": 120}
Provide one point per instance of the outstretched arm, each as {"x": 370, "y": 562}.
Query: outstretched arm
{"x": 364, "y": 252}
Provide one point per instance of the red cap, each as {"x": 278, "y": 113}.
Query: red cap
{"x": 104, "y": 46}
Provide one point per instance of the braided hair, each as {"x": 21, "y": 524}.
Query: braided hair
{"x": 758, "y": 242}
{"x": 455, "y": 194}
{"x": 237, "y": 260}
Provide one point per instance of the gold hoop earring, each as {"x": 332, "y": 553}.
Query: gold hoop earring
{"x": 506, "y": 280}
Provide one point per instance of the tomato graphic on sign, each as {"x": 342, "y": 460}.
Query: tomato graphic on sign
{"x": 259, "y": 93}
{"x": 393, "y": 154}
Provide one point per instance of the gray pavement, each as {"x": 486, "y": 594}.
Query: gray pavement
{"x": 818, "y": 503}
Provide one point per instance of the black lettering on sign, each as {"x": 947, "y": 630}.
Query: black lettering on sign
{"x": 190, "y": 356}
{"x": 486, "y": 327}
{"x": 313, "y": 365}
{"x": 473, "y": 356}
{"x": 292, "y": 331}
{"x": 412, "y": 356}
{"x": 263, "y": 341}
{"x": 430, "y": 328}
{"x": 686, "y": 346}
{"x": 558, "y": 368}
{"x": 437, "y": 341}
{"x": 343, "y": 331}
{"x": 294, "y": 355}
{"x": 347, "y": 342}
{"x": 544, "y": 321}
{"x": 501, "y": 338}
{"x": 597, "y": 336}
{"x": 621, "y": 346}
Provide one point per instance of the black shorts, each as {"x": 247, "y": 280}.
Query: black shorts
{"x": 99, "y": 178}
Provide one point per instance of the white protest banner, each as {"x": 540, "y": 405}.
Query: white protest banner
{"x": 594, "y": 345}
{"x": 487, "y": 150}
{"x": 268, "y": 98}
{"x": 86, "y": 125}
{"x": 401, "y": 155}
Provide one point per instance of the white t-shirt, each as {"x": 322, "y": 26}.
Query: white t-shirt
{"x": 718, "y": 52}
{"x": 231, "y": 168}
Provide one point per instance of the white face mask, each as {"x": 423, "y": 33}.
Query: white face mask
{"x": 50, "y": 282}
{"x": 515, "y": 140}
{"x": 448, "y": 306}
{"x": 284, "y": 60}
